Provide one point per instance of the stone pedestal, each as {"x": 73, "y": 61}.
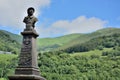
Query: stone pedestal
{"x": 27, "y": 66}
{"x": 25, "y": 77}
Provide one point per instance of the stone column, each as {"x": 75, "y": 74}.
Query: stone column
{"x": 28, "y": 66}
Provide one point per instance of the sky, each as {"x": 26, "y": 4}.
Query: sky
{"x": 60, "y": 17}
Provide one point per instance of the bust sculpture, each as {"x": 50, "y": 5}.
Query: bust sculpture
{"x": 30, "y": 20}
{"x": 27, "y": 68}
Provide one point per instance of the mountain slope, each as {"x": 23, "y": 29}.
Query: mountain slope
{"x": 58, "y": 43}
{"x": 87, "y": 37}
{"x": 44, "y": 44}
{"x": 15, "y": 37}
{"x": 8, "y": 43}
{"x": 64, "y": 42}
{"x": 53, "y": 43}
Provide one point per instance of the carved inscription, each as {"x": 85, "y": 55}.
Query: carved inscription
{"x": 26, "y": 56}
{"x": 26, "y": 47}
{"x": 25, "y": 60}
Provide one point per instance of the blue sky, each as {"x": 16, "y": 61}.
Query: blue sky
{"x": 61, "y": 17}
{"x": 70, "y": 9}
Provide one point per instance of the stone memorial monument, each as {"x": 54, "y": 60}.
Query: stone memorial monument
{"x": 27, "y": 66}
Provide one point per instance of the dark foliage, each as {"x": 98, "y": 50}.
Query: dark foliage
{"x": 96, "y": 43}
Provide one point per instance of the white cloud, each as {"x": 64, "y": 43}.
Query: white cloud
{"x": 12, "y": 12}
{"x": 78, "y": 25}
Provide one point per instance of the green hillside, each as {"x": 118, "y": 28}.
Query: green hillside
{"x": 44, "y": 44}
{"x": 15, "y": 37}
{"x": 92, "y": 65}
{"x": 47, "y": 44}
{"x": 91, "y": 38}
{"x": 8, "y": 63}
{"x": 8, "y": 43}
{"x": 64, "y": 42}
{"x": 99, "y": 60}
{"x": 58, "y": 43}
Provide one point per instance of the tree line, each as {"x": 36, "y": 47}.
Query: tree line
{"x": 96, "y": 43}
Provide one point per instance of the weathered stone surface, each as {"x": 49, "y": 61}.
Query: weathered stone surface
{"x": 26, "y": 77}
{"x": 28, "y": 66}
{"x": 28, "y": 56}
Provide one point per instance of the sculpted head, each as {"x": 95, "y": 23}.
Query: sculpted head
{"x": 30, "y": 11}
{"x": 30, "y": 20}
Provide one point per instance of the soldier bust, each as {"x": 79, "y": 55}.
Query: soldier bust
{"x": 30, "y": 20}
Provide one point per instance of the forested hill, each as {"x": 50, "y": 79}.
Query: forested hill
{"x": 11, "y": 42}
{"x": 101, "y": 61}
{"x": 67, "y": 41}
{"x": 8, "y": 42}
{"x": 13, "y": 36}
{"x": 48, "y": 44}
{"x": 105, "y": 38}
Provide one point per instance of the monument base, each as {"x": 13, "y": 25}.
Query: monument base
{"x": 25, "y": 77}
{"x": 27, "y": 71}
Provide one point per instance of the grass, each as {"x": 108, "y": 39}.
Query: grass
{"x": 58, "y": 40}
{"x": 89, "y": 53}
{"x": 2, "y": 79}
